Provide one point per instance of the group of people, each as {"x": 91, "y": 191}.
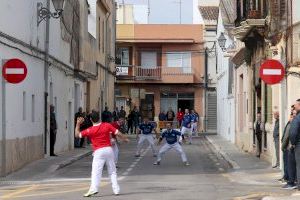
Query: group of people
{"x": 173, "y": 140}
{"x": 104, "y": 138}
{"x": 291, "y": 149}
{"x": 290, "y": 145}
{"x": 169, "y": 116}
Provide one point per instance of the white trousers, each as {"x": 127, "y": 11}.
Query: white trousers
{"x": 116, "y": 152}
{"x": 166, "y": 147}
{"x": 104, "y": 156}
{"x": 142, "y": 140}
{"x": 187, "y": 132}
{"x": 194, "y": 128}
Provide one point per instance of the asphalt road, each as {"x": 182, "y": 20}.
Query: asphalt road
{"x": 207, "y": 178}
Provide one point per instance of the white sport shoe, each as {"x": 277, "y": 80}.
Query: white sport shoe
{"x": 186, "y": 163}
{"x": 156, "y": 163}
{"x": 90, "y": 193}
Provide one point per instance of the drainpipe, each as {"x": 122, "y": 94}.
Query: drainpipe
{"x": 106, "y": 57}
{"x": 205, "y": 90}
{"x": 3, "y": 146}
{"x": 46, "y": 71}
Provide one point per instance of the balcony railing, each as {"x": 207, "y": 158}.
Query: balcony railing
{"x": 147, "y": 73}
{"x": 152, "y": 73}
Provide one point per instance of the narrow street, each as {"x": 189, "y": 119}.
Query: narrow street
{"x": 208, "y": 177}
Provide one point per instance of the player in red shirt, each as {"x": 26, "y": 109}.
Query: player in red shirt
{"x": 100, "y": 136}
{"x": 117, "y": 124}
{"x": 180, "y": 115}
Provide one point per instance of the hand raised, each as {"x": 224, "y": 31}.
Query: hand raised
{"x": 80, "y": 120}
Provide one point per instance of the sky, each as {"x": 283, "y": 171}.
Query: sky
{"x": 166, "y": 11}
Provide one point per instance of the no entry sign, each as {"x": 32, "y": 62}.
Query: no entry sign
{"x": 14, "y": 71}
{"x": 271, "y": 72}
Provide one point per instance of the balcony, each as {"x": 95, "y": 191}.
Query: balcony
{"x": 155, "y": 74}
{"x": 246, "y": 23}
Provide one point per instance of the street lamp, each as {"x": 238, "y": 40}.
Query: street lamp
{"x": 222, "y": 41}
{"x": 43, "y": 13}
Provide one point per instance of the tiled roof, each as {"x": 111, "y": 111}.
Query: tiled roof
{"x": 209, "y": 12}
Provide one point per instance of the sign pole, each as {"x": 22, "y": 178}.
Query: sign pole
{"x": 3, "y": 146}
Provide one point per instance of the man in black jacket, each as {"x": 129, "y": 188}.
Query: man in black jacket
{"x": 53, "y": 129}
{"x": 295, "y": 138}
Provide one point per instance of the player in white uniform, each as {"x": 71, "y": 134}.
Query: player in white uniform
{"x": 171, "y": 137}
{"x": 187, "y": 125}
{"x": 145, "y": 133}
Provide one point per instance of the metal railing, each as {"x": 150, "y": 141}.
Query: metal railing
{"x": 151, "y": 73}
{"x": 148, "y": 73}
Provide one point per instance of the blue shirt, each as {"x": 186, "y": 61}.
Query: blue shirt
{"x": 146, "y": 128}
{"x": 194, "y": 117}
{"x": 171, "y": 136}
{"x": 186, "y": 122}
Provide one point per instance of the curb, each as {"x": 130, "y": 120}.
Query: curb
{"x": 71, "y": 160}
{"x": 218, "y": 150}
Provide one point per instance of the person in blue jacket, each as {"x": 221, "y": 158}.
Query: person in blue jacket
{"x": 171, "y": 137}
{"x": 295, "y": 139}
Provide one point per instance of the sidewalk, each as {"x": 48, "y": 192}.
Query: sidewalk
{"x": 250, "y": 170}
{"x": 41, "y": 169}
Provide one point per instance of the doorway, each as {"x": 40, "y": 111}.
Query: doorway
{"x": 70, "y": 126}
{"x": 147, "y": 106}
{"x": 185, "y": 104}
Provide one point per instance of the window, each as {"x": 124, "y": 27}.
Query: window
{"x": 149, "y": 59}
{"x": 24, "y": 106}
{"x": 230, "y": 76}
{"x": 182, "y": 60}
{"x": 122, "y": 56}
{"x": 33, "y": 108}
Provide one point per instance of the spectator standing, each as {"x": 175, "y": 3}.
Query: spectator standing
{"x": 180, "y": 115}
{"x": 170, "y": 115}
{"x": 116, "y": 114}
{"x": 53, "y": 130}
{"x": 122, "y": 113}
{"x": 276, "y": 138}
{"x": 289, "y": 156}
{"x": 77, "y": 115}
{"x": 135, "y": 118}
{"x": 129, "y": 123}
{"x": 106, "y": 115}
{"x": 259, "y": 128}
{"x": 162, "y": 116}
{"x": 295, "y": 139}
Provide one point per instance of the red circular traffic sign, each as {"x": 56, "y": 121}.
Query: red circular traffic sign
{"x": 14, "y": 71}
{"x": 271, "y": 72}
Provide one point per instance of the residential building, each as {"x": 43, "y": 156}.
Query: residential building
{"x": 209, "y": 16}
{"x": 225, "y": 73}
{"x": 267, "y": 30}
{"x": 160, "y": 66}
{"x": 102, "y": 28}
{"x": 63, "y": 67}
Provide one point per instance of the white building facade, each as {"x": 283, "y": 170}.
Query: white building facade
{"x": 23, "y": 135}
{"x": 225, "y": 85}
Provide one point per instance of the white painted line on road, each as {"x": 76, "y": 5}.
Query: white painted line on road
{"x": 14, "y": 71}
{"x": 135, "y": 163}
{"x": 125, "y": 174}
{"x": 129, "y": 169}
{"x": 271, "y": 72}
{"x": 132, "y": 166}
